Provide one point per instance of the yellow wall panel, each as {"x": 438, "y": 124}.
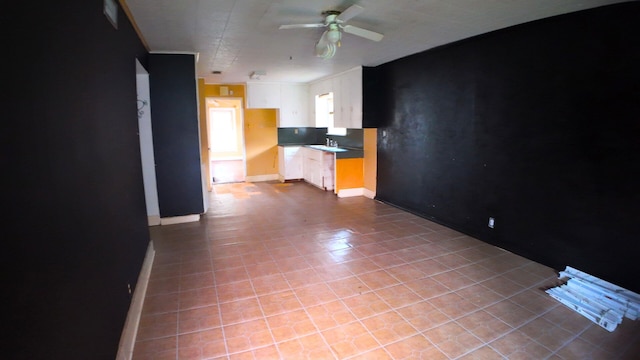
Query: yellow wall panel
{"x": 261, "y": 139}
{"x": 370, "y": 159}
{"x": 349, "y": 174}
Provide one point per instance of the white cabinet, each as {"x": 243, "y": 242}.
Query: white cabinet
{"x": 318, "y": 168}
{"x": 263, "y": 95}
{"x": 290, "y": 159}
{"x": 347, "y": 99}
{"x": 294, "y": 105}
{"x": 292, "y": 100}
{"x": 338, "y": 102}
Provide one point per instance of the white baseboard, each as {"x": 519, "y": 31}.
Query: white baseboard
{"x": 259, "y": 178}
{"x": 153, "y": 220}
{"x": 370, "y": 194}
{"x": 179, "y": 219}
{"x": 350, "y": 192}
{"x": 128, "y": 337}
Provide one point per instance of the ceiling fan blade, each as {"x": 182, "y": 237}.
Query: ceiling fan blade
{"x": 349, "y": 13}
{"x": 301, "y": 26}
{"x": 367, "y": 34}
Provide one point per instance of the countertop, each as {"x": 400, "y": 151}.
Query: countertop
{"x": 340, "y": 152}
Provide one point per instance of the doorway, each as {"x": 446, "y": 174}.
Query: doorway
{"x": 227, "y": 158}
{"x": 146, "y": 145}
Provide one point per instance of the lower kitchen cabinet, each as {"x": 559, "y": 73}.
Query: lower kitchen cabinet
{"x": 318, "y": 168}
{"x": 290, "y": 160}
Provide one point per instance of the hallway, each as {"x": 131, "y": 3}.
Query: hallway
{"x": 285, "y": 271}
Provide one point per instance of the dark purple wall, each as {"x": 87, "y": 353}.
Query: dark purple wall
{"x": 536, "y": 125}
{"x": 73, "y": 194}
{"x": 176, "y": 137}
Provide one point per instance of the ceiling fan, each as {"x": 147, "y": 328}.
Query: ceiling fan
{"x": 335, "y": 23}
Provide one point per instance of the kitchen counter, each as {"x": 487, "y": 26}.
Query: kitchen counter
{"x": 341, "y": 153}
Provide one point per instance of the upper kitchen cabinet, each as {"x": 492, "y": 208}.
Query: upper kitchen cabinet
{"x": 347, "y": 99}
{"x": 291, "y": 99}
{"x": 294, "y": 106}
{"x": 263, "y": 95}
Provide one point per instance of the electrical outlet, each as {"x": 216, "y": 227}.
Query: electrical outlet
{"x": 492, "y": 222}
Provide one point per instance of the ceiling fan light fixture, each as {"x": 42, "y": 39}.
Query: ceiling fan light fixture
{"x": 326, "y": 50}
{"x": 334, "y": 35}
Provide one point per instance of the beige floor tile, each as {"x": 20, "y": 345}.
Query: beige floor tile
{"x": 452, "y": 339}
{"x": 517, "y": 345}
{"x": 453, "y": 305}
{"x": 278, "y": 303}
{"x": 415, "y": 347}
{"x": 423, "y": 316}
{"x": 484, "y": 326}
{"x": 198, "y": 319}
{"x": 330, "y": 315}
{"x": 388, "y": 327}
{"x": 247, "y": 335}
{"x": 290, "y": 325}
{"x": 308, "y": 347}
{"x": 349, "y": 340}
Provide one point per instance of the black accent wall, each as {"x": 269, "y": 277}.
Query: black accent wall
{"x": 536, "y": 125}
{"x": 74, "y": 225}
{"x": 176, "y": 140}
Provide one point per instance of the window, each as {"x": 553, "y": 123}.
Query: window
{"x": 223, "y": 130}
{"x": 324, "y": 114}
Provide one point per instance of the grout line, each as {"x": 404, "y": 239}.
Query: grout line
{"x": 224, "y": 335}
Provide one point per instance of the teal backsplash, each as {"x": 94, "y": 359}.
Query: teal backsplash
{"x": 308, "y": 136}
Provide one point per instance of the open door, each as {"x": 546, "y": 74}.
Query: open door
{"x": 226, "y": 140}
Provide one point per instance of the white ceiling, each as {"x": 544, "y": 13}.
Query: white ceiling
{"x": 241, "y": 36}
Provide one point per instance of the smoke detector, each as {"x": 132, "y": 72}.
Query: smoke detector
{"x": 255, "y": 75}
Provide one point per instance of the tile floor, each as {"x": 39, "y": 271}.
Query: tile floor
{"x": 286, "y": 271}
